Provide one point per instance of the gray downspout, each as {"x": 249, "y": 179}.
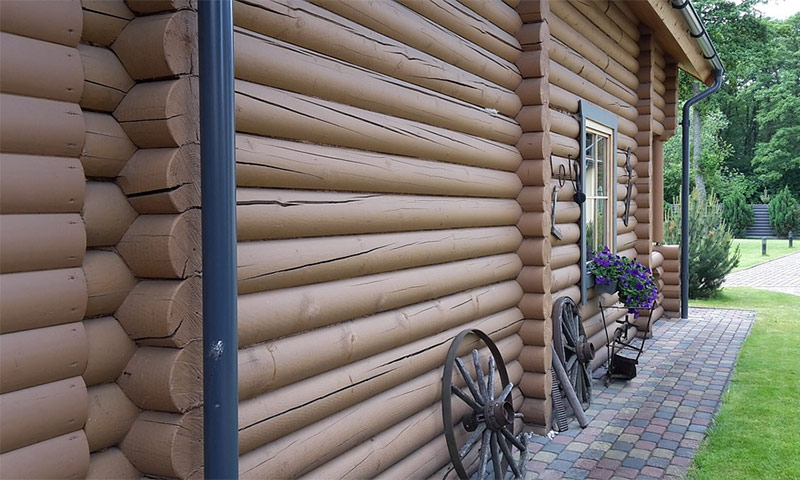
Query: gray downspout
{"x": 685, "y": 191}
{"x": 698, "y": 31}
{"x": 220, "y": 377}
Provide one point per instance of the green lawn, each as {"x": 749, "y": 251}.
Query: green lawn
{"x": 751, "y": 250}
{"x": 757, "y": 431}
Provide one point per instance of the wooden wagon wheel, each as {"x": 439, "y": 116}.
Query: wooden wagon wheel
{"x": 491, "y": 419}
{"x": 573, "y": 348}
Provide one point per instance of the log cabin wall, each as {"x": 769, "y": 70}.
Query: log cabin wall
{"x": 377, "y": 218}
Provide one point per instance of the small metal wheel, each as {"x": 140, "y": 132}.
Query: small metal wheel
{"x": 491, "y": 419}
{"x": 573, "y": 348}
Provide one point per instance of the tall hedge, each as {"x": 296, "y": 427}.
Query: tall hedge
{"x": 783, "y": 213}
{"x": 737, "y": 213}
{"x": 711, "y": 257}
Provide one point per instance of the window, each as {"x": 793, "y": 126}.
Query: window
{"x": 598, "y": 142}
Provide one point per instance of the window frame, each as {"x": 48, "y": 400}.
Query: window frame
{"x": 597, "y": 119}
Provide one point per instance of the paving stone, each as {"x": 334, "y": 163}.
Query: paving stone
{"x": 560, "y": 465}
{"x": 639, "y": 453}
{"x": 585, "y": 463}
{"x": 546, "y": 457}
{"x": 598, "y": 445}
{"x": 569, "y": 455}
{"x": 651, "y": 437}
{"x": 633, "y": 462}
{"x": 602, "y": 474}
{"x": 676, "y": 471}
{"x": 553, "y": 447}
{"x": 663, "y": 453}
{"x": 593, "y": 454}
{"x": 657, "y": 462}
{"x": 609, "y": 463}
{"x": 628, "y": 438}
{"x": 626, "y": 472}
{"x": 622, "y": 446}
{"x": 616, "y": 454}
{"x": 652, "y": 471}
{"x": 576, "y": 473}
{"x": 668, "y": 444}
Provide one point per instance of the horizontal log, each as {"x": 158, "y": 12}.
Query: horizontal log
{"x": 535, "y": 279}
{"x": 29, "y": 241}
{"x": 573, "y": 292}
{"x": 272, "y": 365}
{"x": 106, "y": 81}
{"x": 671, "y": 291}
{"x": 626, "y": 240}
{"x": 565, "y": 255}
{"x": 303, "y": 403}
{"x": 536, "y": 306}
{"x": 538, "y": 413}
{"x": 536, "y": 385}
{"x": 536, "y": 359}
{"x": 671, "y": 278}
{"x": 592, "y": 52}
{"x": 426, "y": 460}
{"x": 321, "y": 31}
{"x": 535, "y": 251}
{"x": 536, "y": 332}
{"x": 534, "y": 146}
{"x": 533, "y": 37}
{"x": 159, "y": 46}
{"x": 642, "y": 229}
{"x": 110, "y": 416}
{"x": 566, "y": 276}
{"x": 37, "y": 184}
{"x": 374, "y": 415}
{"x": 163, "y": 246}
{"x": 274, "y": 214}
{"x": 65, "y": 456}
{"x": 570, "y": 234}
{"x": 670, "y": 252}
{"x": 111, "y": 463}
{"x": 40, "y": 413}
{"x": 40, "y": 126}
{"x": 161, "y": 114}
{"x": 658, "y": 272}
{"x": 270, "y": 265}
{"x": 594, "y": 323}
{"x": 303, "y": 308}
{"x": 628, "y": 253}
{"x": 103, "y": 20}
{"x": 564, "y": 146}
{"x": 534, "y": 118}
{"x": 601, "y": 354}
{"x": 534, "y": 91}
{"x": 596, "y": 13}
{"x": 408, "y": 27}
{"x": 109, "y": 350}
{"x": 459, "y": 19}
{"x": 52, "y": 21}
{"x": 671, "y": 304}
{"x": 165, "y": 379}
{"x": 162, "y": 180}
{"x": 147, "y": 7}
{"x": 34, "y": 357}
{"x": 108, "y": 282}
{"x": 263, "y": 110}
{"x": 107, "y": 146}
{"x": 535, "y": 224}
{"x": 270, "y": 162}
{"x": 633, "y": 225}
{"x": 567, "y": 212}
{"x": 24, "y": 307}
{"x": 163, "y": 313}
{"x": 107, "y": 214}
{"x": 497, "y": 13}
{"x": 29, "y": 67}
{"x": 166, "y": 444}
{"x": 671, "y": 265}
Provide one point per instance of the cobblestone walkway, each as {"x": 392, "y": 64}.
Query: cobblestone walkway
{"x": 651, "y": 426}
{"x": 779, "y": 275}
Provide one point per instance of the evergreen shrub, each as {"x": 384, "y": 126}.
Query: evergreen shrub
{"x": 783, "y": 213}
{"x": 736, "y": 212}
{"x": 710, "y": 255}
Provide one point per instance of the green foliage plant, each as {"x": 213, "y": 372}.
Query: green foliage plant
{"x": 783, "y": 213}
{"x": 711, "y": 257}
{"x": 736, "y": 212}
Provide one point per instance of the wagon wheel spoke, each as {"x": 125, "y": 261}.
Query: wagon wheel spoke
{"x": 476, "y": 362}
{"x": 473, "y": 439}
{"x": 505, "y": 392}
{"x": 473, "y": 389}
{"x": 498, "y": 471}
{"x": 511, "y": 438}
{"x": 465, "y": 398}
{"x": 509, "y": 456}
{"x": 490, "y": 380}
{"x": 484, "y": 454}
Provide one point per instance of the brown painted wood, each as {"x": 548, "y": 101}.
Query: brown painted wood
{"x": 319, "y": 30}
{"x": 163, "y": 313}
{"x": 321, "y": 121}
{"x": 275, "y": 214}
{"x": 565, "y": 277}
{"x": 41, "y": 355}
{"x": 40, "y": 126}
{"x": 535, "y": 224}
{"x": 535, "y": 251}
{"x": 595, "y": 12}
{"x": 111, "y": 463}
{"x": 276, "y": 414}
{"x": 461, "y": 20}
{"x": 166, "y": 444}
{"x": 535, "y": 279}
{"x": 66, "y": 456}
{"x": 109, "y": 350}
{"x": 159, "y": 46}
{"x": 53, "y": 21}
{"x": 267, "y": 61}
{"x": 110, "y": 416}
{"x": 105, "y": 79}
{"x": 269, "y": 162}
{"x": 162, "y": 180}
{"x": 103, "y": 20}
{"x": 108, "y": 282}
{"x": 107, "y": 146}
{"x": 571, "y": 233}
{"x": 30, "y": 67}
{"x": 534, "y": 118}
{"x": 23, "y": 307}
{"x": 538, "y": 412}
{"x": 163, "y": 246}
{"x": 412, "y": 29}
{"x": 145, "y": 7}
{"x": 39, "y": 184}
{"x": 106, "y": 213}
{"x": 536, "y": 332}
{"x": 537, "y": 306}
{"x": 303, "y": 308}
{"x": 164, "y": 379}
{"x": 565, "y": 255}
{"x": 29, "y": 242}
{"x": 497, "y": 13}
{"x": 161, "y": 114}
{"x": 534, "y": 384}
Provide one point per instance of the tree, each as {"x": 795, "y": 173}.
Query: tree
{"x": 784, "y": 215}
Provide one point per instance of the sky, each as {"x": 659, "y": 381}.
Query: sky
{"x": 780, "y": 9}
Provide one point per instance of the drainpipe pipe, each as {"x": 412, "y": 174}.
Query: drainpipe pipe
{"x": 698, "y": 31}
{"x": 220, "y": 376}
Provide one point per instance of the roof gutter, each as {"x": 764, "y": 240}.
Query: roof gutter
{"x": 698, "y": 31}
